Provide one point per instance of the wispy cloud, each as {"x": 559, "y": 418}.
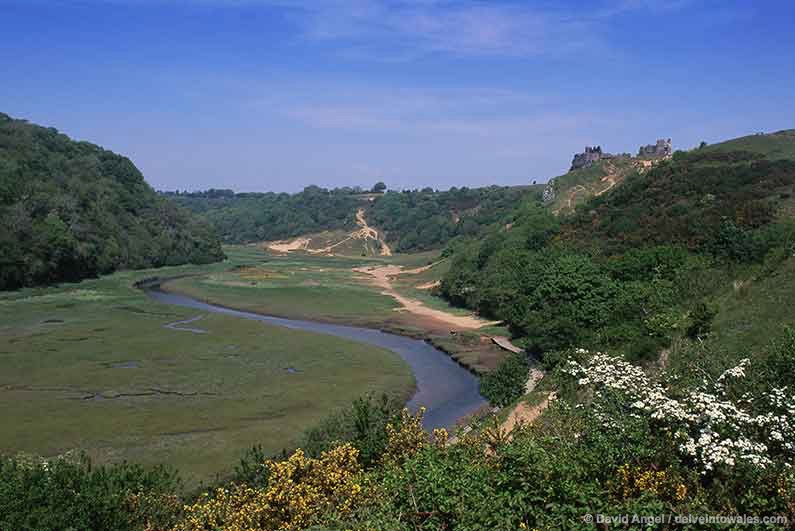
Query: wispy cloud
{"x": 410, "y": 28}
{"x": 398, "y": 30}
{"x": 417, "y": 109}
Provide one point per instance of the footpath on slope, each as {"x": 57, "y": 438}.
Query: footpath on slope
{"x": 365, "y": 232}
{"x": 524, "y": 414}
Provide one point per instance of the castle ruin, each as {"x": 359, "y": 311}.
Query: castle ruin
{"x": 659, "y": 150}
{"x": 593, "y": 154}
{"x": 586, "y": 158}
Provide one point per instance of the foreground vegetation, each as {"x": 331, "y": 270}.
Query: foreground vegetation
{"x": 91, "y": 366}
{"x": 615, "y": 441}
{"x": 72, "y": 210}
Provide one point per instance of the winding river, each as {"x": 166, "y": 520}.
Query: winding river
{"x": 448, "y": 391}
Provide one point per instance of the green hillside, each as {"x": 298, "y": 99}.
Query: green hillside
{"x": 627, "y": 271}
{"x": 256, "y": 217}
{"x": 73, "y": 210}
{"x": 564, "y": 193}
{"x": 778, "y": 145}
{"x": 694, "y": 200}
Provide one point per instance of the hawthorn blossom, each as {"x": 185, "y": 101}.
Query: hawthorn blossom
{"x": 712, "y": 430}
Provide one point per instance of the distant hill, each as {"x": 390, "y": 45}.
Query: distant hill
{"x": 778, "y": 145}
{"x": 350, "y": 221}
{"x": 73, "y": 210}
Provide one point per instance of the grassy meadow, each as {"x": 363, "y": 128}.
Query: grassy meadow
{"x": 297, "y": 286}
{"x": 323, "y": 288}
{"x": 91, "y": 366}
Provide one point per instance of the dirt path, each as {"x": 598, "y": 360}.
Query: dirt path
{"x": 368, "y": 232}
{"x": 381, "y": 277}
{"x": 611, "y": 179}
{"x": 524, "y": 414}
{"x": 423, "y": 269}
{"x": 572, "y": 196}
{"x": 287, "y": 246}
{"x": 365, "y": 232}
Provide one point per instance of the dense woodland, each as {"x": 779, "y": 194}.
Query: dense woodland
{"x": 73, "y": 210}
{"x": 252, "y": 217}
{"x": 412, "y": 220}
{"x": 425, "y": 219}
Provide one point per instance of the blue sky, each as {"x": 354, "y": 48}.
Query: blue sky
{"x": 261, "y": 95}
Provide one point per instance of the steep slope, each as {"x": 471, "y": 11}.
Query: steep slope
{"x": 692, "y": 200}
{"x": 73, "y": 210}
{"x": 563, "y": 193}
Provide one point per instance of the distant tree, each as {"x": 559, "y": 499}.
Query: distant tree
{"x": 379, "y": 187}
{"x": 702, "y": 145}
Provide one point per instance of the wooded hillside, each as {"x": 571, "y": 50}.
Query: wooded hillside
{"x": 72, "y": 210}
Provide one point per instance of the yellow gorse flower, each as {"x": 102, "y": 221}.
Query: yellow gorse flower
{"x": 299, "y": 490}
{"x": 633, "y": 481}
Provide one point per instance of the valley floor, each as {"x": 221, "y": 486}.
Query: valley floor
{"x": 97, "y": 366}
{"x": 388, "y": 293}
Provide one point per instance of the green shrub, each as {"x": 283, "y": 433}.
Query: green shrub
{"x": 701, "y": 320}
{"x": 363, "y": 424}
{"x": 71, "y": 494}
{"x": 507, "y": 382}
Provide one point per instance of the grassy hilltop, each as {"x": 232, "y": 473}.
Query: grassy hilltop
{"x": 773, "y": 146}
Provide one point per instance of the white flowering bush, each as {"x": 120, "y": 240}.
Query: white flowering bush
{"x": 711, "y": 427}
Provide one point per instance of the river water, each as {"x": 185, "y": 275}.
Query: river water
{"x": 448, "y": 391}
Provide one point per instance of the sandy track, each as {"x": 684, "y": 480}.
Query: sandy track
{"x": 381, "y": 277}
{"x": 524, "y": 414}
{"x": 287, "y": 246}
{"x": 365, "y": 232}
